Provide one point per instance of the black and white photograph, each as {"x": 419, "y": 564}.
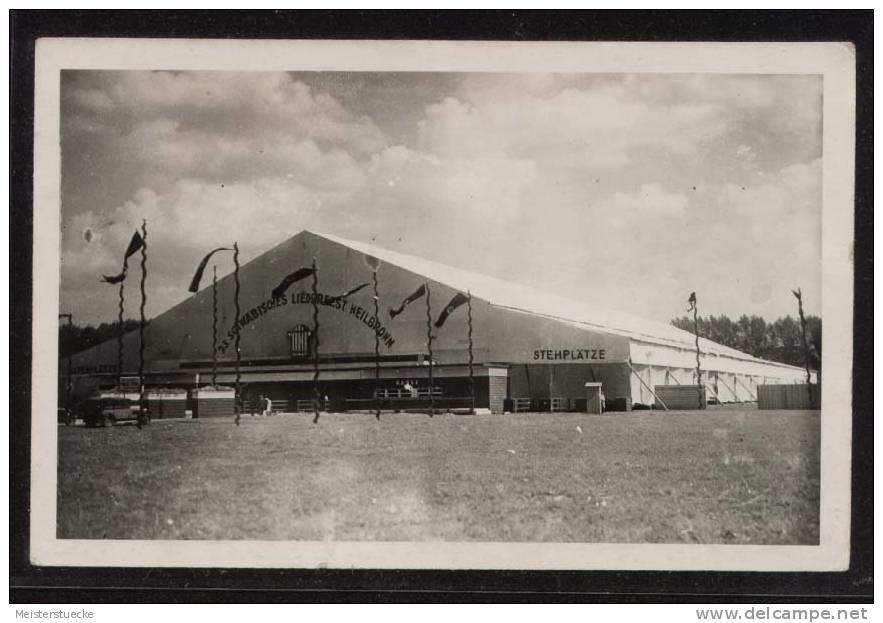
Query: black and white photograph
{"x": 451, "y": 305}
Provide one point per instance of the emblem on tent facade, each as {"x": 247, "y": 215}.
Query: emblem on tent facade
{"x": 300, "y": 339}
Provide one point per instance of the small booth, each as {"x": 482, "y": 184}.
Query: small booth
{"x": 213, "y": 401}
{"x": 594, "y": 398}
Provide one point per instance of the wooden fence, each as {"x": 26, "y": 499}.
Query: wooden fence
{"x": 788, "y": 396}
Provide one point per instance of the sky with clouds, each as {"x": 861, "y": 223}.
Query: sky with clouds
{"x": 627, "y": 191}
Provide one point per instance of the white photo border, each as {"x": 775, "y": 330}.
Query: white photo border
{"x": 835, "y": 62}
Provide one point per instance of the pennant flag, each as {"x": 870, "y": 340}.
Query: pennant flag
{"x": 347, "y": 293}
{"x": 300, "y": 273}
{"x": 114, "y": 278}
{"x": 692, "y": 301}
{"x": 796, "y": 293}
{"x": 411, "y": 298}
{"x": 134, "y": 244}
{"x": 372, "y": 262}
{"x": 194, "y": 284}
{"x": 459, "y": 299}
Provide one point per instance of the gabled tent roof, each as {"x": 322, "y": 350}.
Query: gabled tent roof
{"x": 521, "y": 298}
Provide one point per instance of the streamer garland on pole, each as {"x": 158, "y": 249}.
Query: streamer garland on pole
{"x": 694, "y": 309}
{"x": 429, "y": 349}
{"x": 799, "y": 296}
{"x": 194, "y": 287}
{"x": 471, "y": 359}
{"x": 214, "y": 325}
{"x": 135, "y": 243}
{"x": 458, "y": 300}
{"x": 121, "y": 328}
{"x": 237, "y": 402}
{"x": 376, "y": 347}
{"x": 142, "y": 412}
{"x": 279, "y": 292}
{"x": 316, "y": 393}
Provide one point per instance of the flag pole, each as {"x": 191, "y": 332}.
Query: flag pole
{"x": 696, "y": 333}
{"x": 315, "y": 298}
{"x": 376, "y": 346}
{"x": 68, "y": 384}
{"x": 214, "y": 325}
{"x": 142, "y": 325}
{"x": 799, "y": 295}
{"x": 237, "y": 402}
{"x": 120, "y": 332}
{"x": 471, "y": 373}
{"x": 429, "y": 349}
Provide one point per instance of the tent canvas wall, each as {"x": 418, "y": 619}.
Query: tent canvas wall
{"x": 539, "y": 344}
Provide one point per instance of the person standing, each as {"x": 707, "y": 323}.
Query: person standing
{"x": 412, "y": 391}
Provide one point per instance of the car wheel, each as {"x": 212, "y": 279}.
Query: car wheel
{"x": 107, "y": 420}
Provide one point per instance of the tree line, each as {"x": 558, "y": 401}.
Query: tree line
{"x": 74, "y": 338}
{"x": 780, "y": 340}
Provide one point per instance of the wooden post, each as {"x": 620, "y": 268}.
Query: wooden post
{"x": 732, "y": 390}
{"x": 748, "y": 389}
{"x": 68, "y": 387}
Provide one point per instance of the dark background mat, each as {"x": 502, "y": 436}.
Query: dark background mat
{"x": 29, "y": 584}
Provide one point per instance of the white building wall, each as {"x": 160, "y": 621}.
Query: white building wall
{"x": 646, "y": 353}
{"x": 729, "y": 379}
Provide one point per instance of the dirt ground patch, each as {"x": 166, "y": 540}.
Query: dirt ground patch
{"x": 720, "y": 476}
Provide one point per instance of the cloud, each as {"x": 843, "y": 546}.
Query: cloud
{"x": 165, "y": 126}
{"x": 791, "y": 193}
{"x": 623, "y": 189}
{"x": 183, "y": 224}
{"x": 267, "y": 103}
{"x": 745, "y": 154}
{"x": 790, "y": 99}
{"x": 650, "y": 201}
{"x": 599, "y": 127}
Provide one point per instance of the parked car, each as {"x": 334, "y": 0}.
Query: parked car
{"x": 109, "y": 409}
{"x": 66, "y": 416}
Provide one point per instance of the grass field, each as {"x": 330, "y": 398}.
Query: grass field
{"x": 720, "y": 476}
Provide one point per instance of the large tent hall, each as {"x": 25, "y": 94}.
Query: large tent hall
{"x": 530, "y": 349}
